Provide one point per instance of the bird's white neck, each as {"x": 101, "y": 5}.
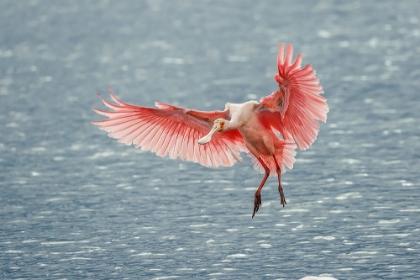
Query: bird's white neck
{"x": 231, "y": 124}
{"x": 240, "y": 114}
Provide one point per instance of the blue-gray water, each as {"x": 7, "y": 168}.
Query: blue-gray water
{"x": 75, "y": 204}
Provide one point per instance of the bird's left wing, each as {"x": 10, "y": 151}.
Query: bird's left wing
{"x": 173, "y": 131}
{"x": 294, "y": 109}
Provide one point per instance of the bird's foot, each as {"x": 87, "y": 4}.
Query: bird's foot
{"x": 282, "y": 197}
{"x": 257, "y": 203}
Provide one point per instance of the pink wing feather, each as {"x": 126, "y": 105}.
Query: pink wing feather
{"x": 173, "y": 131}
{"x": 297, "y": 105}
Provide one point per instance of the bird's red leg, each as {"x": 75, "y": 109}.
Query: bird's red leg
{"x": 257, "y": 198}
{"x": 278, "y": 170}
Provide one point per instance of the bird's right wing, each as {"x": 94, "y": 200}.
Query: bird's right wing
{"x": 296, "y": 107}
{"x": 173, "y": 131}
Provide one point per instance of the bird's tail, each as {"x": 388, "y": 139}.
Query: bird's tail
{"x": 285, "y": 157}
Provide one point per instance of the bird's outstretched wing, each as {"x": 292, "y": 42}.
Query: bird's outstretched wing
{"x": 297, "y": 105}
{"x": 173, "y": 131}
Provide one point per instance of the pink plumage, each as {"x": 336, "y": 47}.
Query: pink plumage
{"x": 295, "y": 107}
{"x": 268, "y": 131}
{"x": 171, "y": 131}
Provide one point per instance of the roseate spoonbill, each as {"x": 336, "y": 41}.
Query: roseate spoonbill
{"x": 268, "y": 131}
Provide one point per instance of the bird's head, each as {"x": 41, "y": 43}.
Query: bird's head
{"x": 218, "y": 126}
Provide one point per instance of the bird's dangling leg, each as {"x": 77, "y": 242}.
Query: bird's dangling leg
{"x": 278, "y": 170}
{"x": 257, "y": 198}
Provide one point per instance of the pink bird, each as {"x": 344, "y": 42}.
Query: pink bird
{"x": 268, "y": 131}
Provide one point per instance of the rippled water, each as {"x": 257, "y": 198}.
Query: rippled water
{"x": 75, "y": 204}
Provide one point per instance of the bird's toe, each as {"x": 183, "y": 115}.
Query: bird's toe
{"x": 257, "y": 203}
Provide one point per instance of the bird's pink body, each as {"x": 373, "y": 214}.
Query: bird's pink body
{"x": 268, "y": 131}
{"x": 260, "y": 140}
